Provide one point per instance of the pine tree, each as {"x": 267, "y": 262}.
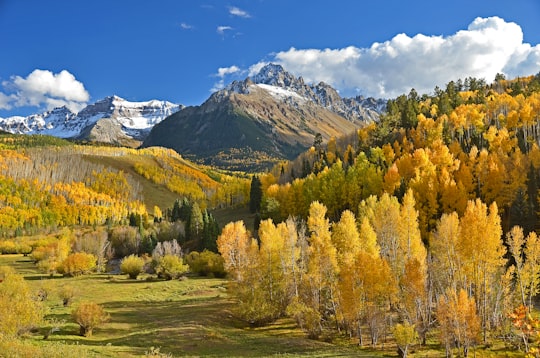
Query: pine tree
{"x": 255, "y": 195}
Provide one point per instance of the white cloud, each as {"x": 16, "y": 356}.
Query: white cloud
{"x": 5, "y": 101}
{"x": 223, "y": 71}
{"x": 238, "y": 12}
{"x": 487, "y": 47}
{"x": 43, "y": 88}
{"x": 186, "y": 26}
{"x": 221, "y": 29}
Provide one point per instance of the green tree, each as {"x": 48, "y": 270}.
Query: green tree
{"x": 196, "y": 224}
{"x": 255, "y": 195}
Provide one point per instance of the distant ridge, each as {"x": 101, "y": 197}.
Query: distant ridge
{"x": 128, "y": 122}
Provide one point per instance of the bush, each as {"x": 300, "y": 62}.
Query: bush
{"x": 89, "y": 315}
{"x": 77, "y": 264}
{"x": 12, "y": 247}
{"x": 19, "y": 310}
{"x": 206, "y": 263}
{"x": 67, "y": 293}
{"x": 171, "y": 267}
{"x": 125, "y": 240}
{"x": 132, "y": 265}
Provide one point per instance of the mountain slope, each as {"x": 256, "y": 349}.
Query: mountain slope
{"x": 128, "y": 122}
{"x": 254, "y": 123}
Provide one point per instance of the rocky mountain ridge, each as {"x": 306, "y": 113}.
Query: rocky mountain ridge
{"x": 130, "y": 120}
{"x": 285, "y": 86}
{"x": 254, "y": 123}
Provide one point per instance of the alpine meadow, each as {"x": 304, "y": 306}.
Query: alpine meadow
{"x": 322, "y": 202}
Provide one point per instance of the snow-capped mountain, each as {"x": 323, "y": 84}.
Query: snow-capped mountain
{"x": 287, "y": 88}
{"x": 254, "y": 123}
{"x": 131, "y": 119}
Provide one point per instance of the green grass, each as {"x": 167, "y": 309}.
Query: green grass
{"x": 225, "y": 216}
{"x": 193, "y": 317}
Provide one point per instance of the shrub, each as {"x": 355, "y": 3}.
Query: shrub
{"x": 132, "y": 265}
{"x": 19, "y": 310}
{"x": 78, "y": 263}
{"x": 67, "y": 293}
{"x": 125, "y": 240}
{"x": 206, "y": 263}
{"x": 171, "y": 267}
{"x": 89, "y": 315}
{"x": 167, "y": 248}
{"x": 12, "y": 247}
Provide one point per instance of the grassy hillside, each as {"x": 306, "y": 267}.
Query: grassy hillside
{"x": 64, "y": 181}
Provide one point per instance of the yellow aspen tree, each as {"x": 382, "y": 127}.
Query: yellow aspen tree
{"x": 238, "y": 249}
{"x": 322, "y": 269}
{"x": 345, "y": 238}
{"x": 516, "y": 241}
{"x": 458, "y": 320}
{"x": 271, "y": 267}
{"x": 530, "y": 273}
{"x": 368, "y": 238}
{"x": 445, "y": 264}
{"x": 410, "y": 241}
{"x": 482, "y": 252}
{"x": 384, "y": 216}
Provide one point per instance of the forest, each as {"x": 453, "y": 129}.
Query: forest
{"x": 415, "y": 232}
{"x": 425, "y": 220}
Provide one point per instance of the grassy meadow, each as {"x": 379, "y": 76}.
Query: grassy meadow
{"x": 191, "y": 317}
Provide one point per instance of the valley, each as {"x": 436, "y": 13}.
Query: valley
{"x": 412, "y": 234}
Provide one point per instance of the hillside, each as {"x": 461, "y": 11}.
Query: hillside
{"x": 59, "y": 183}
{"x": 252, "y": 124}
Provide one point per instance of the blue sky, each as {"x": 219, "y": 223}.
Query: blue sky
{"x": 76, "y": 52}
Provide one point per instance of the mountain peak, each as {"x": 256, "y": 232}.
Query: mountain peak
{"x": 275, "y": 75}
{"x": 135, "y": 119}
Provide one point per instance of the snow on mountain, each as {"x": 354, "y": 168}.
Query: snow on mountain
{"x": 136, "y": 118}
{"x": 279, "y": 92}
{"x": 285, "y": 87}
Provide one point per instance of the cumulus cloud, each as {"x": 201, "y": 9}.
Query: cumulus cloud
{"x": 221, "y": 29}
{"x": 223, "y": 71}
{"x": 43, "y": 88}
{"x": 487, "y": 47}
{"x": 5, "y": 101}
{"x": 238, "y": 12}
{"x": 186, "y": 26}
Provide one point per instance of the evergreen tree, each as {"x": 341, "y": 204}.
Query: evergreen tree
{"x": 175, "y": 213}
{"x": 196, "y": 223}
{"x": 210, "y": 232}
{"x": 255, "y": 195}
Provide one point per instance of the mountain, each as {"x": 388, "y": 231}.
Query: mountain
{"x": 252, "y": 124}
{"x": 110, "y": 120}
